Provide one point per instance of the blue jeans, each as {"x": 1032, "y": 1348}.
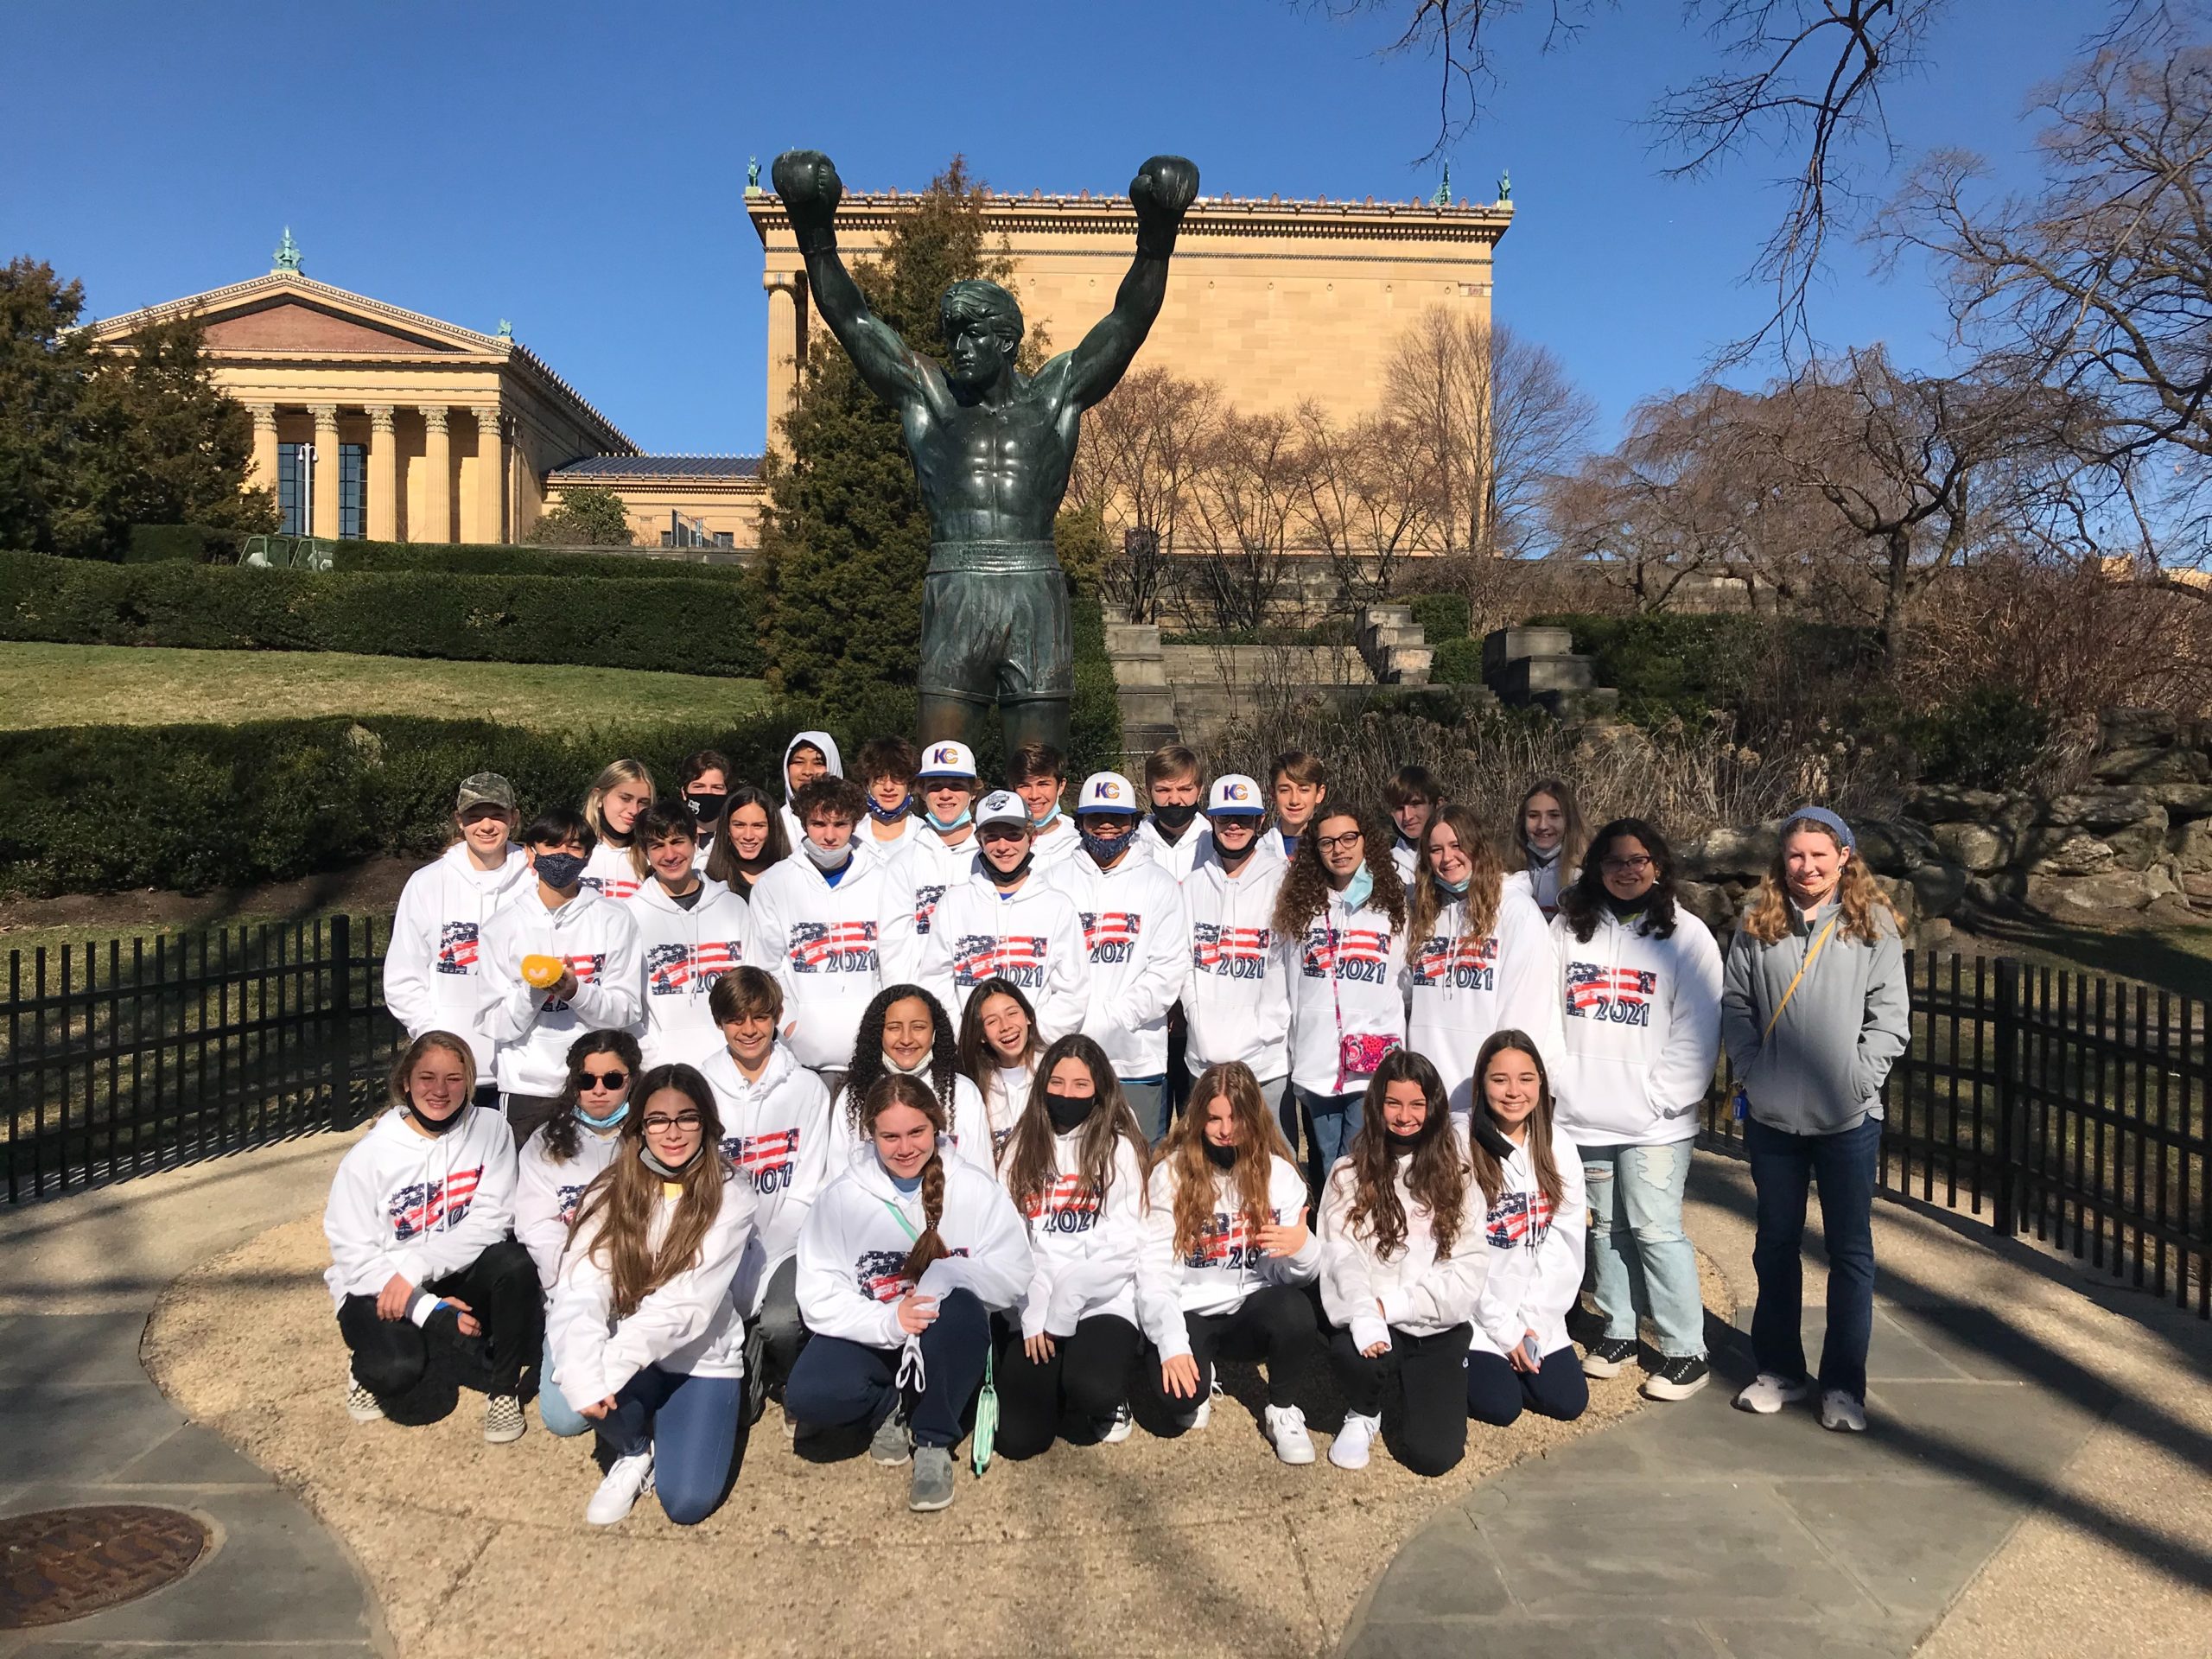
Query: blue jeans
{"x": 1331, "y": 1122}
{"x": 836, "y": 1381}
{"x": 558, "y": 1415}
{"x": 691, "y": 1422}
{"x": 1149, "y": 1103}
{"x": 1784, "y": 1166}
{"x": 1639, "y": 1255}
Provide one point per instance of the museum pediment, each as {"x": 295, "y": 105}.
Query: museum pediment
{"x": 286, "y": 312}
{"x": 295, "y": 326}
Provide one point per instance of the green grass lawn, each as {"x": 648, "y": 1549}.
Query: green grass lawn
{"x": 125, "y": 686}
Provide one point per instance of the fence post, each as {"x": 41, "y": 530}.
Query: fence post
{"x": 2008, "y": 1094}
{"x": 341, "y": 1019}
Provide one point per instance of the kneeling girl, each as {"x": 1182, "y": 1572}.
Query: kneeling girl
{"x": 901, "y": 1262}
{"x": 1402, "y": 1263}
{"x": 646, "y": 1338}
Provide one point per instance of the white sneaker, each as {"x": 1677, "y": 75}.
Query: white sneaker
{"x": 1198, "y": 1417}
{"x": 1112, "y": 1430}
{"x": 1286, "y": 1430}
{"x": 625, "y": 1478}
{"x": 1841, "y": 1412}
{"x": 362, "y": 1406}
{"x": 1770, "y": 1392}
{"x": 1349, "y": 1449}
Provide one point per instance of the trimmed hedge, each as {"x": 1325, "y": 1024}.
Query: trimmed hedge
{"x": 197, "y": 543}
{"x": 1458, "y": 662}
{"x": 697, "y": 627}
{"x": 1442, "y": 617}
{"x": 1668, "y": 665}
{"x": 1095, "y": 715}
{"x": 479, "y": 559}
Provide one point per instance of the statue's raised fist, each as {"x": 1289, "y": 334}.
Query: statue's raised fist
{"x": 1163, "y": 187}
{"x": 809, "y": 187}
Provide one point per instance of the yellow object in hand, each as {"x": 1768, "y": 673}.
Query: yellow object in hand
{"x": 542, "y": 973}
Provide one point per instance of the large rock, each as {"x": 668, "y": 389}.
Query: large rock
{"x": 2136, "y": 729}
{"x": 1746, "y": 854}
{"x": 1895, "y": 846}
{"x": 1711, "y": 903}
{"x": 2170, "y": 766}
{"x": 1903, "y": 895}
{"x": 2183, "y": 802}
{"x": 2075, "y": 855}
{"x": 2130, "y": 822}
{"x": 1980, "y": 847}
{"x": 2115, "y": 890}
{"x": 1998, "y": 890}
{"x": 1940, "y": 889}
{"x": 1942, "y": 804}
{"x": 2192, "y": 847}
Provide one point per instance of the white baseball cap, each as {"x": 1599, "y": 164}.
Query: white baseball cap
{"x": 1002, "y": 806}
{"x": 1233, "y": 794}
{"x": 1106, "y": 791}
{"x": 947, "y": 760}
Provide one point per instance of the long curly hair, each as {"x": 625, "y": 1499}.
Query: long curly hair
{"x": 1028, "y": 1164}
{"x": 898, "y": 1090}
{"x": 1436, "y": 1176}
{"x": 1306, "y": 890}
{"x": 1574, "y": 844}
{"x": 1585, "y": 902}
{"x": 1259, "y": 1143}
{"x": 869, "y": 1068}
{"x": 621, "y": 1202}
{"x": 1485, "y": 882}
{"x": 559, "y": 1131}
{"x": 1767, "y": 918}
{"x": 1489, "y": 1168}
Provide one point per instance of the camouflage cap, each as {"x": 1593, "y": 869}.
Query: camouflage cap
{"x": 485, "y": 789}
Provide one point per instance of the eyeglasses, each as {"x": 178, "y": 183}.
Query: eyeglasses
{"x": 601, "y": 1079}
{"x": 1636, "y": 865}
{"x": 1350, "y": 839}
{"x": 681, "y": 1121}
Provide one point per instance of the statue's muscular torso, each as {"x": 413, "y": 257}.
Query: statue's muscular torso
{"x": 993, "y": 471}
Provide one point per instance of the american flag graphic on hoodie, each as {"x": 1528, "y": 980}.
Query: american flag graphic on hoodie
{"x": 1065, "y": 1205}
{"x": 1111, "y": 935}
{"x": 1519, "y": 1220}
{"x": 1017, "y": 956}
{"x": 832, "y": 947}
{"x": 766, "y": 1160}
{"x": 457, "y": 948}
{"x": 1617, "y": 996}
{"x": 677, "y": 969}
{"x": 1229, "y": 953}
{"x": 421, "y": 1205}
{"x": 586, "y": 969}
{"x": 1457, "y": 963}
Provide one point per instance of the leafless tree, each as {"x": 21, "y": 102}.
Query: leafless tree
{"x": 1142, "y": 454}
{"x": 1493, "y": 419}
{"x": 1243, "y": 518}
{"x": 1371, "y": 497}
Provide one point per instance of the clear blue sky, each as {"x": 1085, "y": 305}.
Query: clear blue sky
{"x": 578, "y": 168}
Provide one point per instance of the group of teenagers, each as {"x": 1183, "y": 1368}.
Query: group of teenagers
{"x": 936, "y": 1113}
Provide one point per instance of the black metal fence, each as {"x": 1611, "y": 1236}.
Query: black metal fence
{"x": 127, "y": 1056}
{"x": 2061, "y": 1104}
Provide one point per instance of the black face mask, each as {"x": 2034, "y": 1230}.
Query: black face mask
{"x": 1232, "y": 860}
{"x": 1220, "y": 1157}
{"x": 1069, "y": 1111}
{"x": 1008, "y": 878}
{"x": 1402, "y": 1144}
{"x": 1626, "y": 908}
{"x": 707, "y": 808}
{"x": 1175, "y": 819}
{"x": 437, "y": 1128}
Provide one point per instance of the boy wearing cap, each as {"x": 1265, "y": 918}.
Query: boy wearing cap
{"x": 1137, "y": 934}
{"x": 1005, "y": 921}
{"x": 431, "y": 981}
{"x": 1172, "y": 833}
{"x": 940, "y": 852}
{"x": 1038, "y": 772}
{"x": 1237, "y": 999}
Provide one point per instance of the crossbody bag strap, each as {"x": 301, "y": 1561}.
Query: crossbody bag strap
{"x": 1803, "y": 968}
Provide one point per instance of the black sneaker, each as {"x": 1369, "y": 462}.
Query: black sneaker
{"x": 1679, "y": 1376}
{"x": 1605, "y": 1357}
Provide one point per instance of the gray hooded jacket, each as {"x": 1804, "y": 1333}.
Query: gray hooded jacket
{"x": 1820, "y": 1070}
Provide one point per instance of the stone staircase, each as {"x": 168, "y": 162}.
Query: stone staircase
{"x": 1395, "y": 646}
{"x": 1191, "y": 693}
{"x": 1538, "y": 667}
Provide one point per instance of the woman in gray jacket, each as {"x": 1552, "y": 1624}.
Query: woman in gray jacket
{"x": 1814, "y": 1012}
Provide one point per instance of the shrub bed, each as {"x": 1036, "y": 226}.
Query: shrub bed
{"x": 696, "y": 626}
{"x": 473, "y": 559}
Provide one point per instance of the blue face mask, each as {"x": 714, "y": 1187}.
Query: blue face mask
{"x": 561, "y": 871}
{"x": 945, "y": 827}
{"x": 1360, "y": 888}
{"x": 605, "y": 1123}
{"x": 1104, "y": 849}
{"x": 889, "y": 815}
{"x": 1456, "y": 889}
{"x": 1050, "y": 819}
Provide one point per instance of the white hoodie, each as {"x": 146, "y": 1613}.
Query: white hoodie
{"x": 793, "y": 830}
{"x": 1642, "y": 1017}
{"x": 1032, "y": 937}
{"x": 1138, "y": 935}
{"x": 1176, "y": 857}
{"x": 1343, "y": 979}
{"x": 776, "y": 1136}
{"x": 911, "y": 830}
{"x": 1461, "y": 990}
{"x": 968, "y": 1127}
{"x": 417, "y": 1205}
{"x": 682, "y": 952}
{"x": 429, "y": 967}
{"x": 853, "y": 1247}
{"x": 1055, "y": 842}
{"x": 1228, "y": 1264}
{"x": 689, "y": 1325}
{"x": 1237, "y": 999}
{"x": 821, "y": 943}
{"x": 1418, "y": 1294}
{"x": 914, "y": 878}
{"x": 546, "y": 1194}
{"x": 610, "y": 873}
{"x": 1535, "y": 1254}
{"x": 597, "y": 939}
{"x": 1006, "y": 1093}
{"x": 1085, "y": 1252}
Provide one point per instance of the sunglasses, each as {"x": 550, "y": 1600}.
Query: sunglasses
{"x": 601, "y": 1079}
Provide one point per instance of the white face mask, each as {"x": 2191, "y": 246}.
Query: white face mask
{"x": 913, "y": 1071}
{"x": 822, "y": 858}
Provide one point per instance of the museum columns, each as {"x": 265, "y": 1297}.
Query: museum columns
{"x": 384, "y": 475}
{"x": 437, "y": 468}
{"x": 326, "y": 472}
{"x": 786, "y": 346}
{"x": 491, "y": 478}
{"x": 264, "y": 448}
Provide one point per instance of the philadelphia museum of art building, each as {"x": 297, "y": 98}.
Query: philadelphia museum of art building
{"x": 373, "y": 421}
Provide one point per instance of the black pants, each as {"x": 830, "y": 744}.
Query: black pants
{"x": 500, "y": 1287}
{"x": 1274, "y": 1326}
{"x": 1497, "y": 1393}
{"x": 774, "y": 1338}
{"x": 1428, "y": 1432}
{"x": 526, "y": 1112}
{"x": 1087, "y": 1377}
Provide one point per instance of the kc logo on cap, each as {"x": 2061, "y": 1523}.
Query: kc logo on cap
{"x": 1234, "y": 793}
{"x": 1106, "y": 791}
{"x": 948, "y": 760}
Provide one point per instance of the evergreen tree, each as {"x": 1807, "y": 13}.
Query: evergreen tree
{"x": 42, "y": 369}
{"x": 585, "y": 516}
{"x": 844, "y": 541}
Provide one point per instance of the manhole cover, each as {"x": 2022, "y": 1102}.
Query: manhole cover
{"x": 62, "y": 1564}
